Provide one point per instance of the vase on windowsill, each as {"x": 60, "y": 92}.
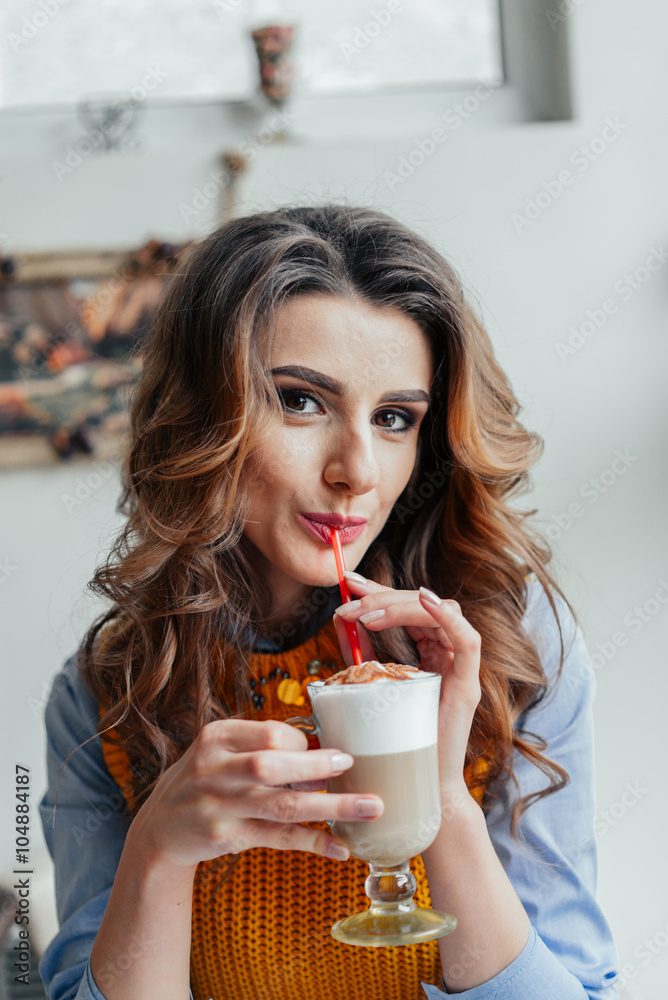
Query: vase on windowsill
{"x": 273, "y": 43}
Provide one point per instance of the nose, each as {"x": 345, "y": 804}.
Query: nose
{"x": 352, "y": 463}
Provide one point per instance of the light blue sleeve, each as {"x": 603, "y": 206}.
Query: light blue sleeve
{"x": 85, "y": 835}
{"x": 570, "y": 953}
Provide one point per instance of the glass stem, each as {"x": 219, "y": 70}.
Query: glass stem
{"x": 391, "y": 888}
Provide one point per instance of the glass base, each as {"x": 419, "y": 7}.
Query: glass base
{"x": 394, "y": 924}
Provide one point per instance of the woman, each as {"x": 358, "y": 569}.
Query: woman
{"x": 315, "y": 365}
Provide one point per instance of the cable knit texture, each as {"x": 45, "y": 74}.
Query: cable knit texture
{"x": 261, "y": 918}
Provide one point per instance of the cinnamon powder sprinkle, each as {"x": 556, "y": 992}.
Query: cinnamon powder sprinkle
{"x": 371, "y": 670}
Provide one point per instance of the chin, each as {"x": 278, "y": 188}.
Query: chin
{"x": 324, "y": 577}
{"x": 314, "y": 569}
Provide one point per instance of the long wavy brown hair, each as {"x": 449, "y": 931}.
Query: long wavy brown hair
{"x": 180, "y": 576}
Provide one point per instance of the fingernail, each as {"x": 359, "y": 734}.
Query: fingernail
{"x": 337, "y": 851}
{"x": 372, "y": 616}
{"x": 348, "y": 606}
{"x": 368, "y": 808}
{"x": 356, "y": 578}
{"x": 430, "y": 596}
{"x": 341, "y": 761}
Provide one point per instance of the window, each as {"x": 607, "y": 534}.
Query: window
{"x": 55, "y": 52}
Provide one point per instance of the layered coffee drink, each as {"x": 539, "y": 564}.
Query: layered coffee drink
{"x": 386, "y": 716}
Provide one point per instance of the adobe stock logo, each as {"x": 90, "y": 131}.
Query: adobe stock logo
{"x": 591, "y": 491}
{"x": 31, "y": 26}
{"x": 379, "y": 20}
{"x": 581, "y": 159}
{"x": 380, "y": 704}
{"x": 86, "y": 486}
{"x": 417, "y": 497}
{"x": 635, "y": 620}
{"x": 424, "y": 147}
{"x": 7, "y": 569}
{"x": 563, "y": 12}
{"x": 624, "y": 289}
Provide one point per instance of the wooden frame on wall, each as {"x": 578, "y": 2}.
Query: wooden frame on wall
{"x": 71, "y": 326}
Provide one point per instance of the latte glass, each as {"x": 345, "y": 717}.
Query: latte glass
{"x": 390, "y": 727}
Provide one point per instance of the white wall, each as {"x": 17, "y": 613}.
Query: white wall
{"x": 533, "y": 285}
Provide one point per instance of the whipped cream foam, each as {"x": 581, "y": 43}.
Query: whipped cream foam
{"x": 373, "y": 670}
{"x": 393, "y": 708}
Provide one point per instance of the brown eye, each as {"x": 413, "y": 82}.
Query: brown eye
{"x": 296, "y": 402}
{"x": 388, "y": 420}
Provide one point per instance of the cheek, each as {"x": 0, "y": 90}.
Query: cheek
{"x": 397, "y": 474}
{"x": 295, "y": 452}
{"x": 277, "y": 466}
{"x": 257, "y": 476}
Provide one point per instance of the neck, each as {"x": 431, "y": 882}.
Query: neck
{"x": 297, "y": 621}
{"x": 287, "y": 597}
{"x": 288, "y": 604}
{"x": 292, "y": 604}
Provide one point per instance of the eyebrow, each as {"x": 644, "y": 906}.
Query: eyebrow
{"x": 338, "y": 389}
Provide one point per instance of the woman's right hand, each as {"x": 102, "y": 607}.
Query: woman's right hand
{"x": 226, "y": 794}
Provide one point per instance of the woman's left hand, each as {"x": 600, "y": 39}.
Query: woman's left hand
{"x": 448, "y": 645}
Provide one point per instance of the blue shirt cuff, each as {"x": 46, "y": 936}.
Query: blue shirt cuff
{"x": 536, "y": 974}
{"x": 88, "y": 989}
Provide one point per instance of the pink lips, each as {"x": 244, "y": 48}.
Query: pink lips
{"x": 319, "y": 524}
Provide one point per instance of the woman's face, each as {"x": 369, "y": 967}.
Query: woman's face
{"x": 354, "y": 380}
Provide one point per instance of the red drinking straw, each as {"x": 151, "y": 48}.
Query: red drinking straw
{"x": 345, "y": 594}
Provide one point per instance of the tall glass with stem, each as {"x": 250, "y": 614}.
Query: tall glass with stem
{"x": 390, "y": 727}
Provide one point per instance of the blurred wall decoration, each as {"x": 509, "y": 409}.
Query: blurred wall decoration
{"x": 71, "y": 330}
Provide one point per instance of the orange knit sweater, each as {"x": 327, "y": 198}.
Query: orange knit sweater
{"x": 261, "y": 919}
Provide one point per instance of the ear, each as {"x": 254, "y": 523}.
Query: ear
{"x": 342, "y": 635}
